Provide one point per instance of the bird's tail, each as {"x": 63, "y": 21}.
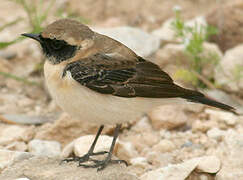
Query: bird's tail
{"x": 208, "y": 101}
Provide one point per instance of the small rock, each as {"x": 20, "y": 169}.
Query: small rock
{"x": 141, "y": 42}
{"x": 171, "y": 54}
{"x": 143, "y": 125}
{"x": 164, "y": 146}
{"x": 159, "y": 159}
{"x": 216, "y": 134}
{"x": 172, "y": 171}
{"x": 68, "y": 150}
{"x": 25, "y": 119}
{"x": 15, "y": 133}
{"x": 231, "y": 156}
{"x": 209, "y": 164}
{"x": 228, "y": 72}
{"x": 227, "y": 117}
{"x": 143, "y": 140}
{"x": 8, "y": 54}
{"x": 229, "y": 173}
{"x": 139, "y": 162}
{"x": 44, "y": 148}
{"x": 203, "y": 126}
{"x": 65, "y": 129}
{"x": 126, "y": 151}
{"x": 165, "y": 33}
{"x": 227, "y": 19}
{"x": 82, "y": 144}
{"x": 25, "y": 102}
{"x": 17, "y": 146}
{"x": 168, "y": 117}
{"x": 5, "y": 66}
{"x": 9, "y": 157}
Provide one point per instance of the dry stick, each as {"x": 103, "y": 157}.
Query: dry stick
{"x": 204, "y": 80}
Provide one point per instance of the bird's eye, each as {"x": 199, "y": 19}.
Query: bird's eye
{"x": 56, "y": 44}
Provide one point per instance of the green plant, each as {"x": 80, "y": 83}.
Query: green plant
{"x": 36, "y": 12}
{"x": 193, "y": 39}
{"x": 238, "y": 72}
{"x": 36, "y": 16}
{"x": 6, "y": 44}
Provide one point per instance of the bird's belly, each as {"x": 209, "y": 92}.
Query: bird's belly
{"x": 88, "y": 105}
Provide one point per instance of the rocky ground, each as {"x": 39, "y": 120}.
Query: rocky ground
{"x": 174, "y": 142}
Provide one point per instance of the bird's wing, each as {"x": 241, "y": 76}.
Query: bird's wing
{"x": 113, "y": 74}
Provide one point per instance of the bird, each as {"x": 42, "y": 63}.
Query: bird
{"x": 99, "y": 80}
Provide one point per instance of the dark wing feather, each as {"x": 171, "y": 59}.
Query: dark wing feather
{"x": 132, "y": 78}
{"x": 125, "y": 78}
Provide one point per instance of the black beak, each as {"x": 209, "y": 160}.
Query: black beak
{"x": 33, "y": 36}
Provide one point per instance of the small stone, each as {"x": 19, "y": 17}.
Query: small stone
{"x": 209, "y": 164}
{"x": 44, "y": 148}
{"x": 167, "y": 117}
{"x": 65, "y": 129}
{"x": 8, "y": 157}
{"x": 227, "y": 19}
{"x": 25, "y": 119}
{"x": 8, "y": 54}
{"x": 25, "y": 102}
{"x": 159, "y": 159}
{"x": 165, "y": 33}
{"x": 17, "y": 146}
{"x": 216, "y": 134}
{"x": 203, "y": 126}
{"x": 82, "y": 144}
{"x": 126, "y": 151}
{"x": 68, "y": 150}
{"x": 172, "y": 171}
{"x": 227, "y": 117}
{"x": 143, "y": 125}
{"x": 164, "y": 146}
{"x": 139, "y": 162}
{"x": 228, "y": 72}
{"x": 143, "y": 43}
{"x": 231, "y": 156}
{"x": 15, "y": 133}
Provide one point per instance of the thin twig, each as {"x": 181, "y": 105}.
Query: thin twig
{"x": 204, "y": 80}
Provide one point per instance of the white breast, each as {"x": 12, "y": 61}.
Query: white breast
{"x": 88, "y": 105}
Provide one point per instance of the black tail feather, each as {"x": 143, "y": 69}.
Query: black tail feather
{"x": 208, "y": 101}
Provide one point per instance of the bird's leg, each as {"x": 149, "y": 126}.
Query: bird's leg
{"x": 103, "y": 163}
{"x": 86, "y": 157}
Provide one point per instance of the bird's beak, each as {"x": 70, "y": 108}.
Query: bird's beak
{"x": 33, "y": 36}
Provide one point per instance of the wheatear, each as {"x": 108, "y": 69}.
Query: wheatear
{"x": 97, "y": 79}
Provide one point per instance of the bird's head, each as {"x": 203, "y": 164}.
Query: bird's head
{"x": 62, "y": 39}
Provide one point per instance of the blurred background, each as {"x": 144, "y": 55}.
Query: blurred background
{"x": 198, "y": 42}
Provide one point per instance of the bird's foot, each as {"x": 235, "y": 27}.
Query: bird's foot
{"x": 83, "y": 158}
{"x": 101, "y": 164}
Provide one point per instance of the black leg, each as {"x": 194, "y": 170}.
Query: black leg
{"x": 86, "y": 157}
{"x": 102, "y": 164}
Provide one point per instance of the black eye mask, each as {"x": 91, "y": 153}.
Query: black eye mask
{"x": 57, "y": 50}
